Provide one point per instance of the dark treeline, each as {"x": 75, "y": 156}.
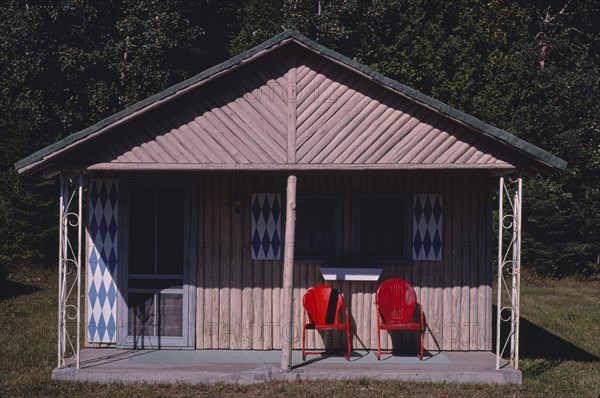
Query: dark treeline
{"x": 529, "y": 67}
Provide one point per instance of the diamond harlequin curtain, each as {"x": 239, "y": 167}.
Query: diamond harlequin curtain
{"x": 102, "y": 261}
{"x": 266, "y": 226}
{"x": 427, "y": 227}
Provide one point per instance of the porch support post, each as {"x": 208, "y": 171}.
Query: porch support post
{"x": 287, "y": 328}
{"x": 63, "y": 199}
{"x": 69, "y": 267}
{"x": 509, "y": 268}
{"x": 499, "y": 270}
{"x": 79, "y": 263}
{"x": 516, "y": 275}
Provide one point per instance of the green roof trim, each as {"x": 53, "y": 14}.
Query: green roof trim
{"x": 494, "y": 132}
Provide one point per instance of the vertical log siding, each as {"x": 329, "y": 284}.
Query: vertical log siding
{"x": 238, "y": 299}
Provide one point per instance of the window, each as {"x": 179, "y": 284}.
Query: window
{"x": 318, "y": 228}
{"x": 380, "y": 227}
{"x": 156, "y": 257}
{"x": 156, "y": 231}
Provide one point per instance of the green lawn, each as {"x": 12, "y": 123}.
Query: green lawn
{"x": 559, "y": 348}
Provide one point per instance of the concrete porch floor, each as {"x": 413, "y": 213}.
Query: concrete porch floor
{"x": 243, "y": 367}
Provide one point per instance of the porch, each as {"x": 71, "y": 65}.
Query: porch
{"x": 245, "y": 367}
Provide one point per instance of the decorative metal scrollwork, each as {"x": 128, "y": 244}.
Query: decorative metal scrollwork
{"x": 69, "y": 269}
{"x": 509, "y": 269}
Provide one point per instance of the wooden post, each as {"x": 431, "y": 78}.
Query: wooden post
{"x": 291, "y": 96}
{"x": 287, "y": 327}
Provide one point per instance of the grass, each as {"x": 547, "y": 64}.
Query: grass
{"x": 560, "y": 334}
{"x": 560, "y": 350}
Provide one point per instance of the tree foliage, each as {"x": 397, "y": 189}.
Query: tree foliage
{"x": 65, "y": 64}
{"x": 559, "y": 110}
{"x": 529, "y": 67}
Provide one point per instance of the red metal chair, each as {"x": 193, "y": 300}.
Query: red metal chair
{"x": 322, "y": 307}
{"x": 396, "y": 303}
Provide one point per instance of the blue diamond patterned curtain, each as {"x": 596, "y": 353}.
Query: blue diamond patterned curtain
{"x": 266, "y": 226}
{"x": 102, "y": 261}
{"x": 427, "y": 227}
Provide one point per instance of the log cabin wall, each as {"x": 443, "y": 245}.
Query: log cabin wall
{"x": 238, "y": 299}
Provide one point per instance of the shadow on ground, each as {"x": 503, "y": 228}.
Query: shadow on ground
{"x": 538, "y": 343}
{"x": 10, "y": 289}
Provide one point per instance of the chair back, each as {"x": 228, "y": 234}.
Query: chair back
{"x": 396, "y": 300}
{"x": 322, "y": 303}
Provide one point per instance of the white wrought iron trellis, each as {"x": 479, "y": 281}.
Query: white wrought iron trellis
{"x": 69, "y": 268}
{"x": 509, "y": 269}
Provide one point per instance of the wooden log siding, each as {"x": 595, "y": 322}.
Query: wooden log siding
{"x": 238, "y": 299}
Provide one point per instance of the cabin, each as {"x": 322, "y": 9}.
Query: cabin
{"x": 185, "y": 205}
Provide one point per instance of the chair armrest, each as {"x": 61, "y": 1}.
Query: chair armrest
{"x": 422, "y": 316}
{"x": 346, "y": 313}
{"x": 305, "y": 317}
{"x": 379, "y": 320}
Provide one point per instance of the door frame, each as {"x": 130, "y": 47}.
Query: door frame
{"x": 189, "y": 266}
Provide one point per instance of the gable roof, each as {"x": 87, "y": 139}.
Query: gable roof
{"x": 44, "y": 157}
